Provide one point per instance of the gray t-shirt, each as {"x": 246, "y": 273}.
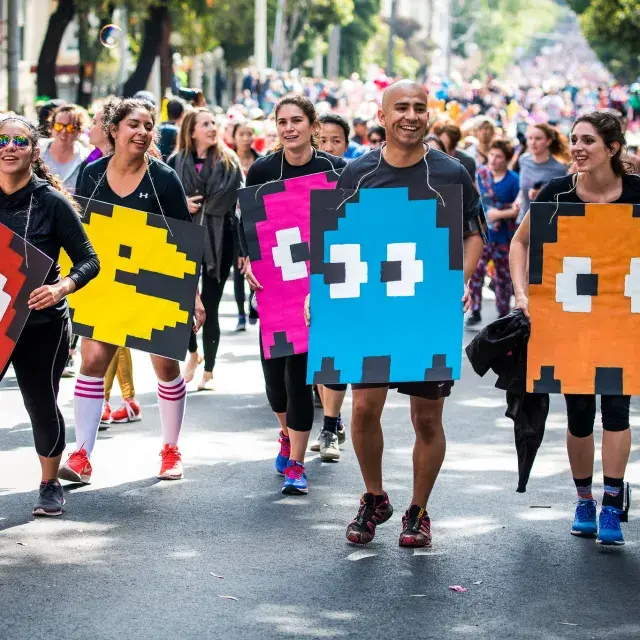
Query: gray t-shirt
{"x": 532, "y": 173}
{"x": 67, "y": 172}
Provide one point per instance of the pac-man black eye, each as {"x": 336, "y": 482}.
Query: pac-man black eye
{"x": 401, "y": 271}
{"x": 124, "y": 251}
{"x": 345, "y": 272}
{"x": 576, "y": 285}
{"x": 291, "y": 254}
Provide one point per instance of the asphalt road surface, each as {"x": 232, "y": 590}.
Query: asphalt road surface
{"x": 135, "y": 559}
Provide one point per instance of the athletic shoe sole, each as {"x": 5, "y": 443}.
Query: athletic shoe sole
{"x": 315, "y": 447}
{"x": 359, "y": 537}
{"x": 42, "y": 512}
{"x": 412, "y": 543}
{"x": 125, "y": 420}
{"x": 583, "y": 534}
{"x": 329, "y": 456}
{"x": 65, "y": 473}
{"x": 613, "y": 543}
{"x": 294, "y": 491}
{"x": 168, "y": 476}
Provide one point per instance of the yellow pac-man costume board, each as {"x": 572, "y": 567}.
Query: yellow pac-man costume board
{"x": 144, "y": 295}
{"x": 584, "y": 299}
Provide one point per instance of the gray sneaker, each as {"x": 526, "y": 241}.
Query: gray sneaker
{"x": 51, "y": 499}
{"x": 342, "y": 433}
{"x": 316, "y": 445}
{"x": 329, "y": 448}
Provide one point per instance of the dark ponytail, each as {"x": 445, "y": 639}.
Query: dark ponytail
{"x": 611, "y": 129}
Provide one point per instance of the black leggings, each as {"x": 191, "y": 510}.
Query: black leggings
{"x": 38, "y": 359}
{"x": 581, "y": 413}
{"x": 285, "y": 380}
{"x": 211, "y": 295}
{"x": 238, "y": 285}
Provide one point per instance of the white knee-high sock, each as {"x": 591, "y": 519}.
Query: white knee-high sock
{"x": 87, "y": 409}
{"x": 172, "y": 400}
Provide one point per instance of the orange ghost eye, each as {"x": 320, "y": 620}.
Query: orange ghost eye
{"x": 632, "y": 285}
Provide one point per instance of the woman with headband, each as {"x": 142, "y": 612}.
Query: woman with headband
{"x": 289, "y": 395}
{"x": 597, "y": 144}
{"x": 130, "y": 178}
{"x": 35, "y": 206}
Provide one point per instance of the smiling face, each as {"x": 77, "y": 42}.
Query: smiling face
{"x": 404, "y": 115}
{"x": 332, "y": 139}
{"x": 588, "y": 148}
{"x": 294, "y": 128}
{"x": 537, "y": 141}
{"x": 134, "y": 133}
{"x": 14, "y": 160}
{"x": 64, "y": 139}
{"x": 205, "y": 131}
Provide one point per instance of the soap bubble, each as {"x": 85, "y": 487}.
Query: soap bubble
{"x": 110, "y": 35}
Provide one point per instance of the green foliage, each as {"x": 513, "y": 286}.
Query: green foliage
{"x": 612, "y": 28}
{"x": 356, "y": 35}
{"x": 501, "y": 27}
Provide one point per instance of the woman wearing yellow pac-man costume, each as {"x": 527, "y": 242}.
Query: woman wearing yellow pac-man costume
{"x": 597, "y": 143}
{"x": 129, "y": 178}
{"x": 211, "y": 175}
{"x": 34, "y": 207}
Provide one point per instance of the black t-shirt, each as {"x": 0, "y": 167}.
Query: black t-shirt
{"x": 374, "y": 171}
{"x": 268, "y": 168}
{"x": 170, "y": 194}
{"x": 562, "y": 190}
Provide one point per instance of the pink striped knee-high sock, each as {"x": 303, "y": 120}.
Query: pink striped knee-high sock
{"x": 172, "y": 400}
{"x": 87, "y": 409}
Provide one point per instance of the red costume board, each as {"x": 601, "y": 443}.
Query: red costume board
{"x": 23, "y": 268}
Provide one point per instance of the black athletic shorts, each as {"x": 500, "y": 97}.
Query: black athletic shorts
{"x": 426, "y": 390}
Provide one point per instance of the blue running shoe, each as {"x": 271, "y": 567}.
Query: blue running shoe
{"x": 610, "y": 532}
{"x": 282, "y": 459}
{"x": 295, "y": 479}
{"x": 584, "y": 524}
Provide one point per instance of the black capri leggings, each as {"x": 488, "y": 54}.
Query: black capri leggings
{"x": 38, "y": 359}
{"x": 581, "y": 413}
{"x": 285, "y": 380}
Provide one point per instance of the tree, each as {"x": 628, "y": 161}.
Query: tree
{"x": 611, "y": 27}
{"x": 356, "y": 35}
{"x": 46, "y": 70}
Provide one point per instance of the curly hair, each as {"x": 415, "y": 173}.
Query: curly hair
{"x": 38, "y": 166}
{"x": 115, "y": 110}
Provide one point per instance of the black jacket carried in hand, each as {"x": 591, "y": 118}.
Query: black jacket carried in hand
{"x": 502, "y": 347}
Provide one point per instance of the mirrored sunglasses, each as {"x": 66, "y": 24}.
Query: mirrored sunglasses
{"x": 20, "y": 142}
{"x": 69, "y": 128}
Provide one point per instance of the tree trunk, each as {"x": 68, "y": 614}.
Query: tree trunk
{"x": 166, "y": 56}
{"x": 153, "y": 30}
{"x": 46, "y": 70}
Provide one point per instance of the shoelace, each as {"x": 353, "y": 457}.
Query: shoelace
{"x": 327, "y": 437}
{"x": 585, "y": 509}
{"x": 365, "y": 513}
{"x": 610, "y": 518}
{"x": 418, "y": 525}
{"x": 47, "y": 491}
{"x": 285, "y": 447}
{"x": 295, "y": 471}
{"x": 170, "y": 456}
{"x": 77, "y": 456}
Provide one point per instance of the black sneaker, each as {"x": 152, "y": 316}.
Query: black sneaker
{"x": 242, "y": 324}
{"x": 342, "y": 432}
{"x": 51, "y": 499}
{"x": 474, "y": 319}
{"x": 362, "y": 529}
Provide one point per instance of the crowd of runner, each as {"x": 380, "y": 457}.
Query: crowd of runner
{"x": 506, "y": 147}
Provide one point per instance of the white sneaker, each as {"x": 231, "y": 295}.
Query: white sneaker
{"x": 329, "y": 448}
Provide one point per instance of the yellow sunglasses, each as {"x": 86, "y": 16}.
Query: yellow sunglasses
{"x": 69, "y": 128}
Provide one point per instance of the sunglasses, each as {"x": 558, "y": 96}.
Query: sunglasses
{"x": 19, "y": 142}
{"x": 375, "y": 140}
{"x": 69, "y": 128}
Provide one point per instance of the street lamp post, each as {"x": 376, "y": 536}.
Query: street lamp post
{"x": 260, "y": 35}
{"x": 392, "y": 29}
{"x": 13, "y": 37}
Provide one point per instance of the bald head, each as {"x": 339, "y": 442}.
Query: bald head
{"x": 401, "y": 91}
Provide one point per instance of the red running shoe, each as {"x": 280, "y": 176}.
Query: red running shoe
{"x": 106, "y": 414}
{"x": 128, "y": 412}
{"x": 416, "y": 528}
{"x": 77, "y": 468}
{"x": 171, "y": 467}
{"x": 362, "y": 529}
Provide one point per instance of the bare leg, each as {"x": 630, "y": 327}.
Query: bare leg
{"x": 282, "y": 419}
{"x": 332, "y": 402}
{"x": 581, "y": 453}
{"x": 49, "y": 467}
{"x": 366, "y": 433}
{"x": 166, "y": 370}
{"x": 429, "y": 448}
{"x": 96, "y": 357}
{"x": 616, "y": 446}
{"x": 299, "y": 441}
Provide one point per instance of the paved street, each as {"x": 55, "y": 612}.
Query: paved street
{"x": 135, "y": 558}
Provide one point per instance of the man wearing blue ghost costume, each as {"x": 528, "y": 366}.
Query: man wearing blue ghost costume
{"x": 401, "y": 163}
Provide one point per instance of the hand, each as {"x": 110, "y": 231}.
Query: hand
{"x": 250, "y": 278}
{"x": 199, "y": 314}
{"x": 194, "y": 203}
{"x": 307, "y": 310}
{"x": 466, "y": 298}
{"x": 493, "y": 214}
{"x": 533, "y": 194}
{"x": 241, "y": 264}
{"x": 522, "y": 302}
{"x": 46, "y": 296}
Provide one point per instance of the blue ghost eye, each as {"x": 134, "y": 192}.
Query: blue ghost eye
{"x": 345, "y": 272}
{"x": 401, "y": 271}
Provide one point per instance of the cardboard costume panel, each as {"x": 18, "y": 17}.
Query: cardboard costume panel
{"x": 23, "y": 268}
{"x": 386, "y": 286}
{"x": 144, "y": 295}
{"x": 584, "y": 299}
{"x": 275, "y": 219}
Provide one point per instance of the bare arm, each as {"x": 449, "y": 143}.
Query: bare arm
{"x": 519, "y": 264}
{"x": 473, "y": 246}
